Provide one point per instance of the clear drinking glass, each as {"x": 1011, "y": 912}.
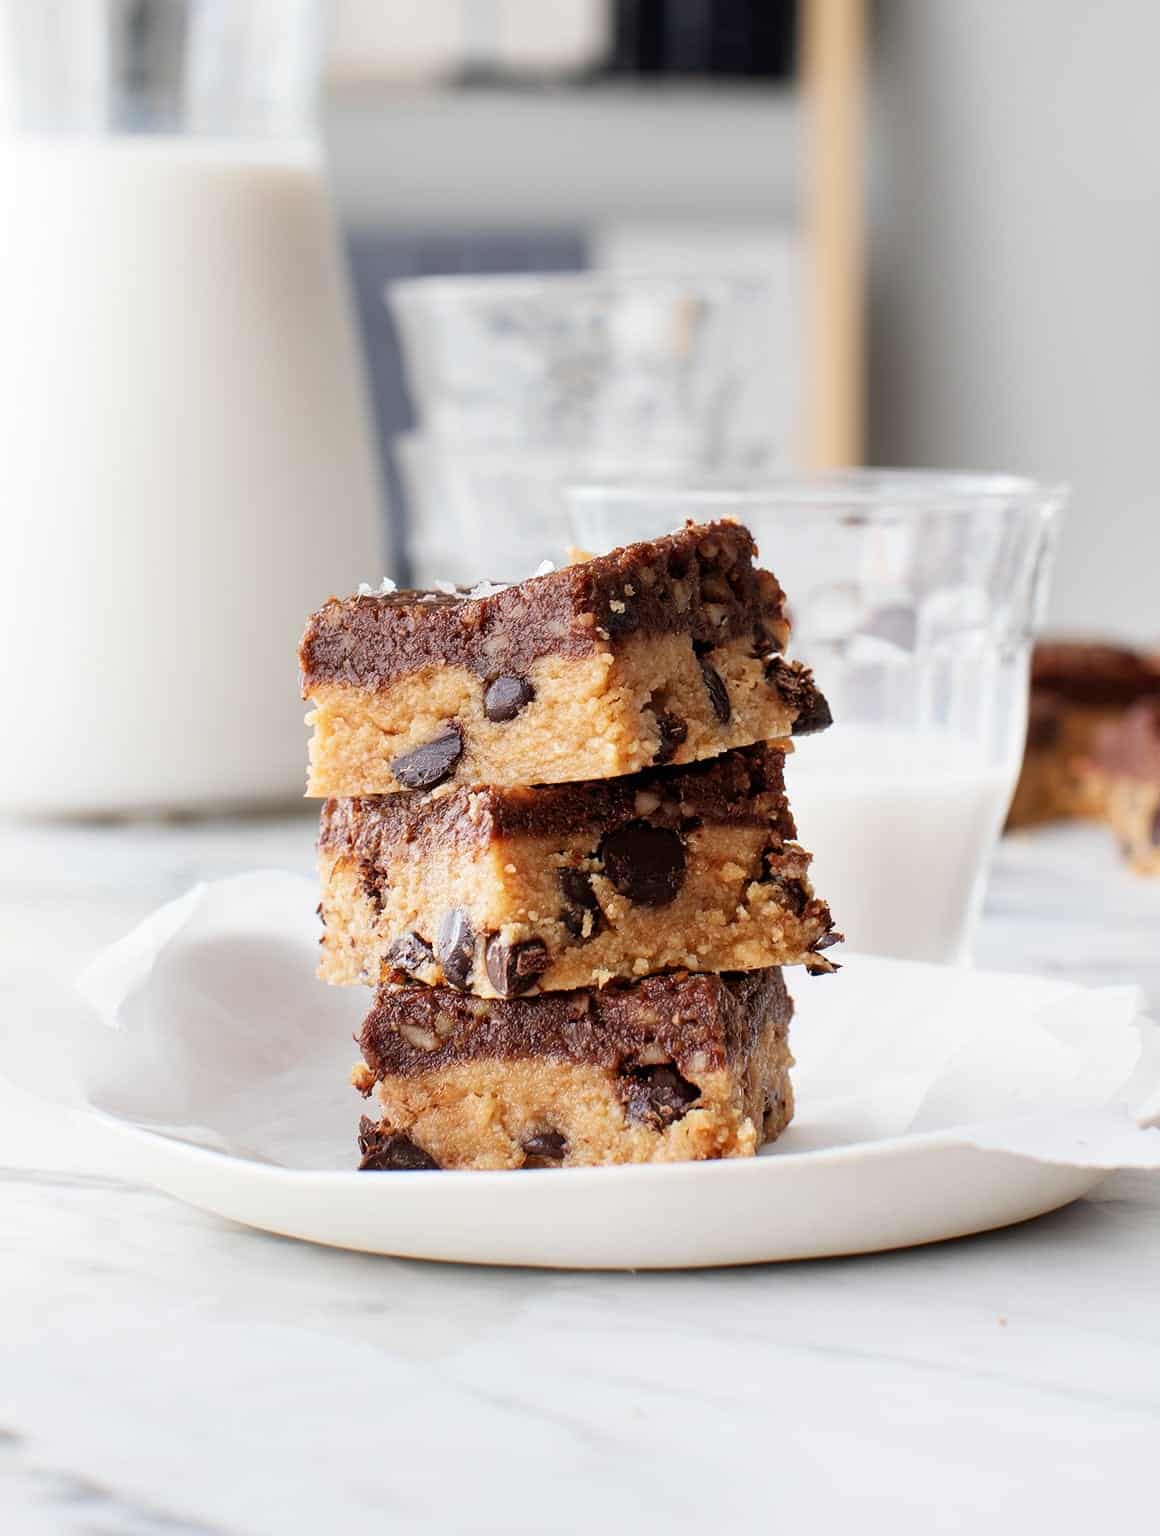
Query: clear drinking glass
{"x": 618, "y": 366}
{"x": 187, "y": 466}
{"x": 914, "y": 596}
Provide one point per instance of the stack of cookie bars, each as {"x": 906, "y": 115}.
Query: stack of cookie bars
{"x": 556, "y": 842}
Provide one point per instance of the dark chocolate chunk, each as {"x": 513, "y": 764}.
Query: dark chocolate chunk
{"x": 644, "y": 863}
{"x": 656, "y": 1096}
{"x": 1154, "y": 829}
{"x": 545, "y": 1149}
{"x": 506, "y": 696}
{"x": 621, "y": 616}
{"x": 673, "y": 731}
{"x": 827, "y": 941}
{"x": 426, "y": 766}
{"x": 795, "y": 686}
{"x": 718, "y": 693}
{"x": 793, "y": 894}
{"x": 455, "y": 947}
{"x": 576, "y": 888}
{"x": 387, "y": 1151}
{"x": 410, "y": 953}
{"x": 814, "y": 716}
{"x": 513, "y": 968}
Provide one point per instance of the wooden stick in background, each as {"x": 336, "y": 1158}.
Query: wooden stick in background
{"x": 833, "y": 72}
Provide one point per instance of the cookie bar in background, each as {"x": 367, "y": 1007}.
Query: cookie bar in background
{"x": 662, "y": 652}
{"x": 671, "y": 1068}
{"x": 1124, "y": 778}
{"x": 508, "y": 891}
{"x": 1076, "y": 688}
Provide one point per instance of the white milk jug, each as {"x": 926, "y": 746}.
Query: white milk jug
{"x": 186, "y": 469}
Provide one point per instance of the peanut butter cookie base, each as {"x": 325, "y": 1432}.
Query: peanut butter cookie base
{"x": 644, "y": 700}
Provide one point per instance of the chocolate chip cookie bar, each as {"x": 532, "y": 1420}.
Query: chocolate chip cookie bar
{"x": 671, "y": 1068}
{"x": 1077, "y": 688}
{"x": 509, "y": 891}
{"x": 663, "y": 652}
{"x": 1124, "y": 776}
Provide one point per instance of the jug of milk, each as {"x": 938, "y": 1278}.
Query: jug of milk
{"x": 186, "y": 468}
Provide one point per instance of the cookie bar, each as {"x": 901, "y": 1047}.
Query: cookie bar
{"x": 664, "y": 652}
{"x": 508, "y": 891}
{"x": 671, "y": 1068}
{"x": 1076, "y": 689}
{"x": 1124, "y": 771}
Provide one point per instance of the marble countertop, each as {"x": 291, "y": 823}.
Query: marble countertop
{"x": 164, "y": 1373}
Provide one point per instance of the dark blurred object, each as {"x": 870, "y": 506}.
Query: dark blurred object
{"x": 705, "y": 37}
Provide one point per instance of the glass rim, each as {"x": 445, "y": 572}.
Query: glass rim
{"x": 506, "y": 285}
{"x": 870, "y": 495}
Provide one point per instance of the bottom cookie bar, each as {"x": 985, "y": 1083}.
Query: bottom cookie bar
{"x": 673, "y": 1068}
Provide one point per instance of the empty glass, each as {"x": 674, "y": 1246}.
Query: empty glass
{"x": 612, "y": 365}
{"x": 523, "y": 383}
{"x": 914, "y": 597}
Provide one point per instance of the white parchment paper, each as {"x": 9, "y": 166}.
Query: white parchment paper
{"x": 207, "y": 1023}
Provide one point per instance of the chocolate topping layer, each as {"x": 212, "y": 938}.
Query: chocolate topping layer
{"x": 1098, "y": 676}
{"x": 700, "y": 1022}
{"x": 742, "y": 787}
{"x": 1130, "y": 748}
{"x": 701, "y": 581}
{"x": 1044, "y": 720}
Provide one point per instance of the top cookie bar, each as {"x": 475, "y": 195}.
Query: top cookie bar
{"x": 662, "y": 652}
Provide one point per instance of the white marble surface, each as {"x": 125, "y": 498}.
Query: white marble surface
{"x": 162, "y": 1372}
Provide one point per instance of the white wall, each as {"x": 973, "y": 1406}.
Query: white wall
{"x": 1015, "y": 311}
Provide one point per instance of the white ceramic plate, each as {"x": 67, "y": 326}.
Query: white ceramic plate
{"x": 931, "y": 1103}
{"x": 771, "y": 1208}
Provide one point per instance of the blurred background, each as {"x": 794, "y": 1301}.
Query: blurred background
{"x": 1010, "y": 153}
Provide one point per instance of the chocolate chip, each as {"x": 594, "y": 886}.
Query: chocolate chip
{"x": 814, "y": 716}
{"x": 513, "y": 968}
{"x": 718, "y": 693}
{"x": 576, "y": 888}
{"x": 1154, "y": 829}
{"x": 827, "y": 941}
{"x": 387, "y": 1151}
{"x": 656, "y": 1096}
{"x": 545, "y": 1149}
{"x": 455, "y": 947}
{"x": 623, "y": 617}
{"x": 506, "y": 696}
{"x": 793, "y": 894}
{"x": 410, "y": 953}
{"x": 673, "y": 731}
{"x": 796, "y": 688}
{"x": 644, "y": 863}
{"x": 426, "y": 766}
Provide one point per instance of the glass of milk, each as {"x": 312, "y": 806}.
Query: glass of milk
{"x": 186, "y": 468}
{"x": 914, "y": 596}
